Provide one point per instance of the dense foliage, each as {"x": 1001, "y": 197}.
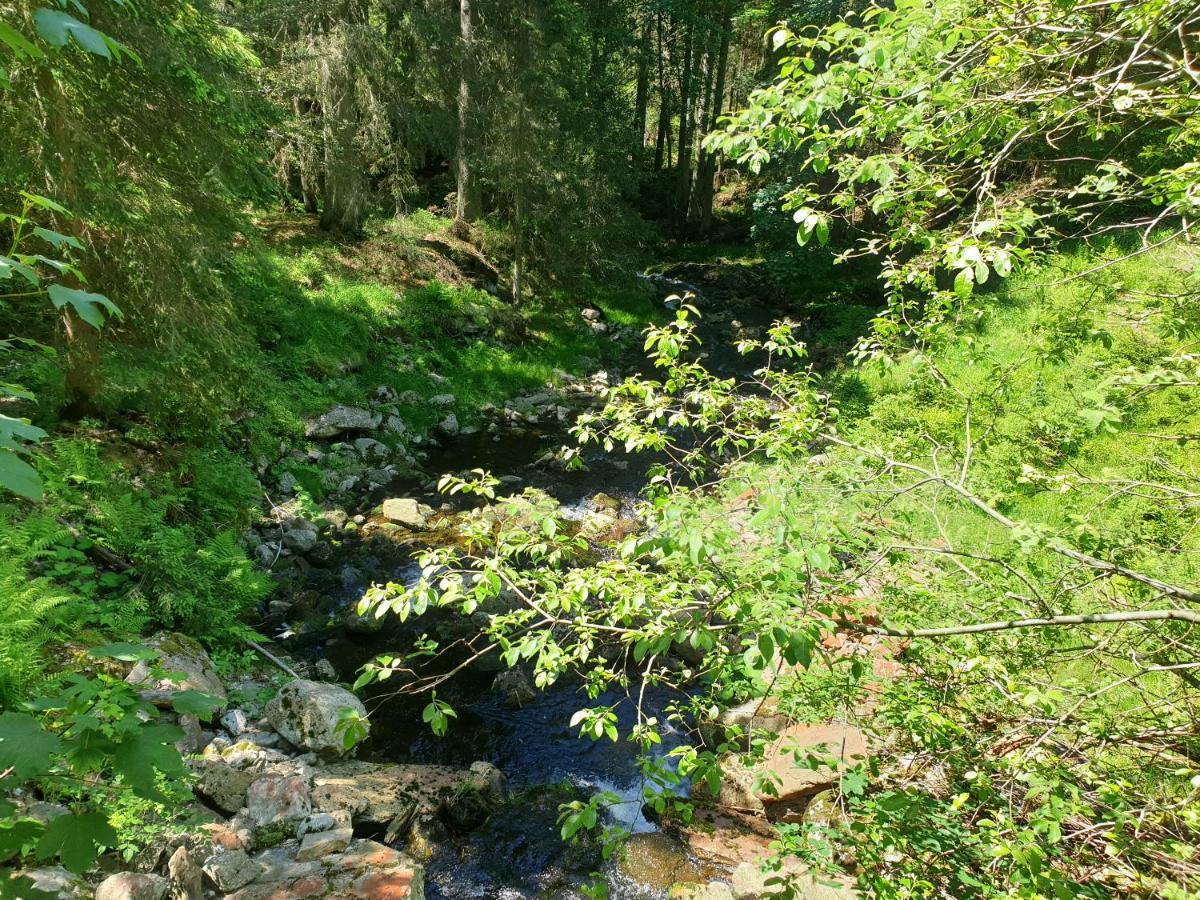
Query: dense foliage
{"x": 952, "y": 500}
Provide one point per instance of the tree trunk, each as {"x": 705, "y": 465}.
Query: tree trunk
{"x": 345, "y": 182}
{"x": 702, "y": 195}
{"x": 662, "y": 155}
{"x": 306, "y": 163}
{"x": 467, "y": 206}
{"x": 642, "y": 97}
{"x": 683, "y": 165}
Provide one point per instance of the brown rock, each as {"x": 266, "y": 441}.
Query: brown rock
{"x": 787, "y": 781}
{"x": 185, "y": 877}
{"x": 324, "y": 843}
{"x": 132, "y": 886}
{"x": 379, "y": 793}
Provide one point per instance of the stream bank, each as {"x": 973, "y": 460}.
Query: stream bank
{"x": 488, "y": 824}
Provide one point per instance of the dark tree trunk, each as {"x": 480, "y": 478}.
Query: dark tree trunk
{"x": 345, "y": 170}
{"x": 467, "y": 206}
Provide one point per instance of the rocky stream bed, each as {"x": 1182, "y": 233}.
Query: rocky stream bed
{"x": 290, "y": 813}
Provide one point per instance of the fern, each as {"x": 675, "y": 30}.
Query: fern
{"x": 31, "y": 617}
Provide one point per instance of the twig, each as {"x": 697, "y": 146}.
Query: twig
{"x": 272, "y": 657}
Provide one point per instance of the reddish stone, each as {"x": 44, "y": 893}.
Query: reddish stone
{"x": 367, "y": 854}
{"x": 383, "y": 886}
{"x": 312, "y": 886}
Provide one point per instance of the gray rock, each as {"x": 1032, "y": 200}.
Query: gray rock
{"x": 405, "y": 511}
{"x": 235, "y": 721}
{"x": 324, "y": 821}
{"x": 178, "y": 653}
{"x": 449, "y": 425}
{"x": 341, "y": 419}
{"x": 230, "y": 870}
{"x": 268, "y": 553}
{"x": 273, "y": 799}
{"x": 185, "y": 876}
{"x": 132, "y": 886}
{"x": 395, "y": 425}
{"x": 287, "y": 483}
{"x": 443, "y": 400}
{"x": 301, "y": 540}
{"x": 308, "y": 713}
{"x": 369, "y": 448}
{"x": 323, "y": 843}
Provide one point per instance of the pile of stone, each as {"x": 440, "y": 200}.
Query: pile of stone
{"x": 288, "y": 804}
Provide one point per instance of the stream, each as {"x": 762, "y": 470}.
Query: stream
{"x": 518, "y": 852}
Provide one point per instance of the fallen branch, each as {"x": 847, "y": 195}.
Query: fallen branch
{"x": 1153, "y": 615}
{"x": 1057, "y": 546}
{"x": 272, "y": 657}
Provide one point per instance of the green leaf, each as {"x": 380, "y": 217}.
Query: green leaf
{"x": 17, "y": 837}
{"x": 57, "y": 28}
{"x": 196, "y": 703}
{"x": 151, "y": 750}
{"x": 89, "y": 307}
{"x": 57, "y": 240}
{"x": 18, "y": 476}
{"x": 77, "y": 840}
{"x": 44, "y": 203}
{"x": 20, "y": 887}
{"x": 21, "y": 47}
{"x": 124, "y": 652}
{"x": 26, "y": 747}
{"x": 8, "y": 265}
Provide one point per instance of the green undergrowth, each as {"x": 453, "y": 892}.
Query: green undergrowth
{"x": 1035, "y": 762}
{"x": 148, "y": 494}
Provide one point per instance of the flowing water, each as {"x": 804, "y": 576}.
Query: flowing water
{"x": 518, "y": 852}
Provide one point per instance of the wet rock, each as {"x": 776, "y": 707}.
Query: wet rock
{"x": 308, "y": 714}
{"x": 375, "y": 793}
{"x": 276, "y": 799}
{"x": 407, "y": 512}
{"x": 178, "y": 653}
{"x": 657, "y": 860}
{"x": 323, "y": 843}
{"x": 341, "y": 419}
{"x": 184, "y": 875}
{"x": 132, "y": 886}
{"x": 231, "y": 869}
{"x": 515, "y": 688}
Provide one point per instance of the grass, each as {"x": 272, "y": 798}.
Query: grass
{"x": 161, "y": 471}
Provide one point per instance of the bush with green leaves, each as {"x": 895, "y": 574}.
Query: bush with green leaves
{"x": 1033, "y": 572}
{"x": 91, "y": 745}
{"x": 948, "y": 138}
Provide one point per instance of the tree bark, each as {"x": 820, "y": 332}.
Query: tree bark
{"x": 642, "y": 96}
{"x": 345, "y": 183}
{"x": 702, "y": 196}
{"x": 683, "y": 165}
{"x": 467, "y": 205}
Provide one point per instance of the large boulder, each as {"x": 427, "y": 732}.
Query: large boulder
{"x": 341, "y": 419}
{"x": 309, "y": 714}
{"x": 132, "y": 886}
{"x": 379, "y": 794}
{"x": 791, "y": 782}
{"x": 178, "y": 655}
{"x": 407, "y": 512}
